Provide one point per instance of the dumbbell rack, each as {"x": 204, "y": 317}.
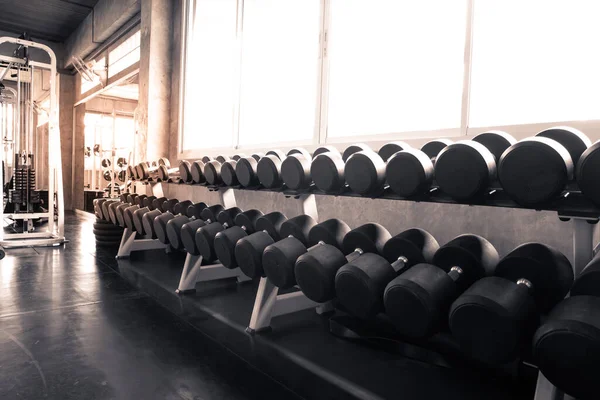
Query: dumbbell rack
{"x": 129, "y": 242}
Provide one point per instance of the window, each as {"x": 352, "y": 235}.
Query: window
{"x": 534, "y": 61}
{"x": 210, "y": 75}
{"x": 124, "y": 55}
{"x": 280, "y": 68}
{"x": 87, "y": 85}
{"x": 395, "y": 66}
{"x": 274, "y": 72}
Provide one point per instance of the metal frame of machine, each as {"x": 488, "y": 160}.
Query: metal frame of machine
{"x": 54, "y": 230}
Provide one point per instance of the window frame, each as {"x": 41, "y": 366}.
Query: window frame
{"x": 320, "y": 135}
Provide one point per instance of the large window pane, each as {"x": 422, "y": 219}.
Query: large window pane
{"x": 395, "y": 65}
{"x": 124, "y": 55}
{"x": 209, "y": 90}
{"x": 280, "y": 62}
{"x": 535, "y": 61}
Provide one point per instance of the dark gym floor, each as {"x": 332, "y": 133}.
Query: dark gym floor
{"x": 72, "y": 328}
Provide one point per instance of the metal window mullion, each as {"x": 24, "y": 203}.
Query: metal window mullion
{"x": 323, "y": 93}
{"x": 237, "y": 71}
{"x": 468, "y": 53}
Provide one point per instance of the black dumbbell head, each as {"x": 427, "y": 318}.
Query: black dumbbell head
{"x": 249, "y": 251}
{"x": 169, "y": 205}
{"x": 185, "y": 171}
{"x": 157, "y": 204}
{"x": 269, "y": 171}
{"x": 298, "y": 227}
{"x": 295, "y": 171}
{"x": 160, "y": 226}
{"x": 137, "y": 219}
{"x": 357, "y": 290}
{"x": 210, "y": 213}
{"x": 195, "y": 210}
{"x": 188, "y": 236}
{"x": 212, "y": 172}
{"x": 465, "y": 169}
{"x": 535, "y": 170}
{"x": 227, "y": 216}
{"x": 236, "y": 157}
{"x": 387, "y": 150}
{"x": 327, "y": 171}
{"x": 222, "y": 158}
{"x": 205, "y": 237}
{"x": 163, "y": 173}
{"x": 131, "y": 197}
{"x": 370, "y": 238}
{"x": 475, "y": 255}
{"x": 548, "y": 270}
{"x": 128, "y": 216}
{"x": 276, "y": 152}
{"x": 247, "y": 220}
{"x": 325, "y": 149}
{"x": 315, "y": 272}
{"x": 148, "y": 202}
{"x": 497, "y": 142}
{"x": 416, "y": 245}
{"x": 206, "y": 159}
{"x": 434, "y": 147}
{"x": 174, "y": 227}
{"x": 365, "y": 172}
{"x": 409, "y": 172}
{"x": 355, "y": 148}
{"x": 279, "y": 259}
{"x": 331, "y": 231}
{"x": 164, "y": 161}
{"x": 298, "y": 151}
{"x": 139, "y": 199}
{"x": 588, "y": 281}
{"x": 197, "y": 171}
{"x": 271, "y": 223}
{"x": 182, "y": 207}
{"x": 566, "y": 347}
{"x": 575, "y": 141}
{"x": 224, "y": 245}
{"x": 148, "y": 222}
{"x": 119, "y": 214}
{"x": 245, "y": 170}
{"x": 228, "y": 173}
{"x": 587, "y": 173}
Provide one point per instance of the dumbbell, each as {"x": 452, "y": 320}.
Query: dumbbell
{"x": 145, "y": 171}
{"x": 495, "y": 318}
{"x": 418, "y": 300}
{"x": 197, "y": 172}
{"x": 188, "y": 229}
{"x": 212, "y": 171}
{"x": 566, "y": 347}
{"x": 248, "y": 250}
{"x": 159, "y": 224}
{"x": 327, "y": 169}
{"x": 105, "y": 208}
{"x": 361, "y": 283}
{"x": 315, "y": 270}
{"x": 164, "y": 173}
{"x": 151, "y": 211}
{"x": 295, "y": 168}
{"x": 536, "y": 170}
{"x": 174, "y": 226}
{"x": 119, "y": 210}
{"x": 131, "y": 173}
{"x": 246, "y": 170}
{"x": 121, "y": 162}
{"x": 269, "y": 167}
{"x": 587, "y": 173}
{"x": 279, "y": 259}
{"x": 105, "y": 163}
{"x": 365, "y": 169}
{"x": 172, "y": 206}
{"x": 228, "y": 174}
{"x": 205, "y": 235}
{"x": 411, "y": 171}
{"x": 467, "y": 168}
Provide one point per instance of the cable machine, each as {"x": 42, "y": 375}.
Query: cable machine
{"x": 31, "y": 215}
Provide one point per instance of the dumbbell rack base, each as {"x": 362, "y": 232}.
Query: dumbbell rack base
{"x": 129, "y": 244}
{"x": 194, "y": 272}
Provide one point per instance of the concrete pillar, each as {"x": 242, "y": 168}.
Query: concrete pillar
{"x": 156, "y": 64}
{"x": 65, "y": 119}
{"x": 78, "y": 156}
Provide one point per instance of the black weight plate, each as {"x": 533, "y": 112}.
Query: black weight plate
{"x": 409, "y": 172}
{"x": 388, "y": 149}
{"x": 212, "y": 172}
{"x": 370, "y": 238}
{"x": 496, "y": 142}
{"x": 271, "y": 223}
{"x": 572, "y": 139}
{"x": 535, "y": 170}
{"x": 464, "y": 169}
{"x": 299, "y": 151}
{"x": 295, "y": 172}
{"x": 365, "y": 172}
{"x": 588, "y": 173}
{"x": 331, "y": 231}
{"x": 416, "y": 245}
{"x": 588, "y": 281}
{"x": 327, "y": 171}
{"x": 206, "y": 159}
{"x": 277, "y": 153}
{"x": 326, "y": 149}
{"x": 355, "y": 148}
{"x": 222, "y": 159}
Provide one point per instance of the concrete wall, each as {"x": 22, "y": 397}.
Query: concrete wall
{"x": 65, "y": 117}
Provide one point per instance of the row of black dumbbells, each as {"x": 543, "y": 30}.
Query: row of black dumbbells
{"x": 532, "y": 172}
{"x": 492, "y": 306}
